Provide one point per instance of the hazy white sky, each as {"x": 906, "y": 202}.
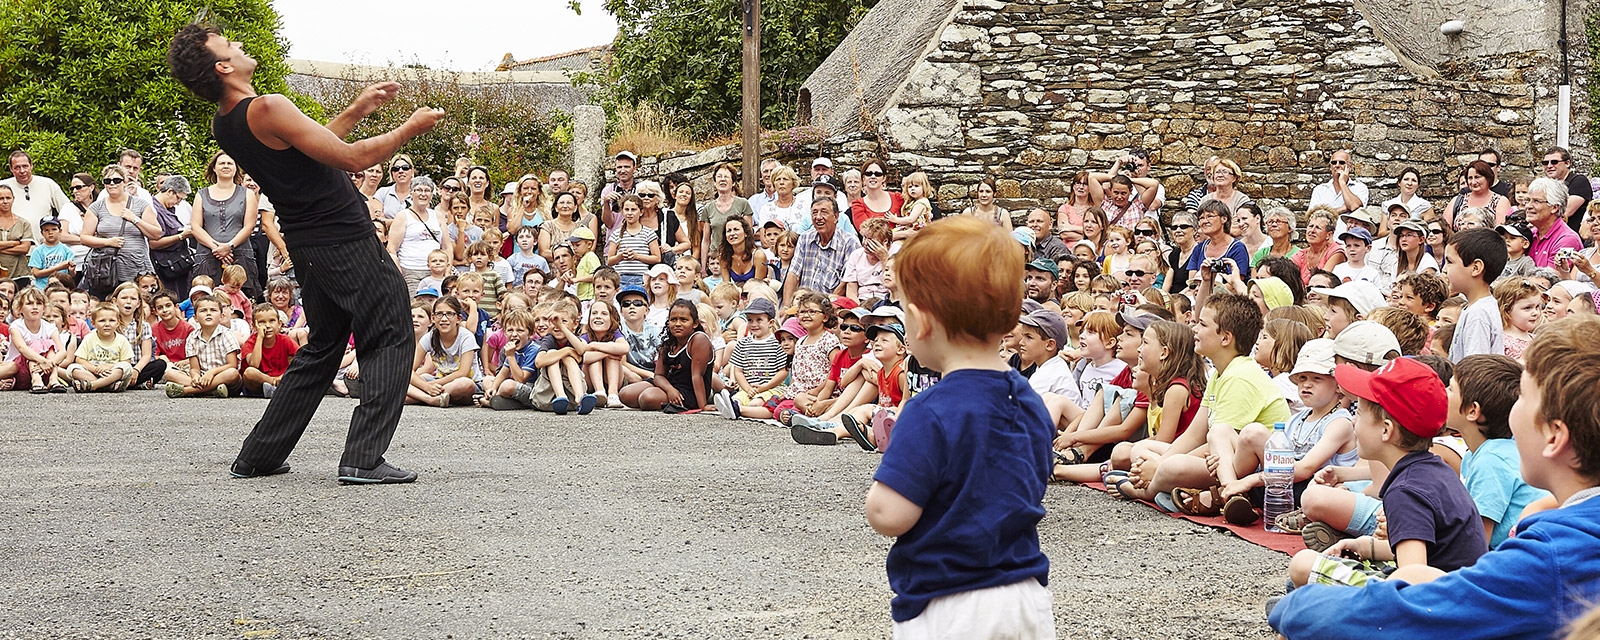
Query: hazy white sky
{"x": 464, "y": 35}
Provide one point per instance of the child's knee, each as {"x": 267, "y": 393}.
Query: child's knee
{"x": 1300, "y": 566}
{"x": 1254, "y": 435}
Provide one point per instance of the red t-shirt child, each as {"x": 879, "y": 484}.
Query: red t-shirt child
{"x": 170, "y": 342}
{"x": 842, "y": 360}
{"x": 274, "y": 357}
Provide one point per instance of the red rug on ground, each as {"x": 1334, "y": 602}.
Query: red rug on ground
{"x": 1284, "y": 542}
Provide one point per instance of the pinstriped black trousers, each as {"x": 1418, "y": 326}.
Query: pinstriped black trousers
{"x": 345, "y": 288}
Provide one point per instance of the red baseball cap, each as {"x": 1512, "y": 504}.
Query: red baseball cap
{"x": 842, "y": 302}
{"x": 1408, "y": 390}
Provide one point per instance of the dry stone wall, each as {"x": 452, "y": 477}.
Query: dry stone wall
{"x": 1032, "y": 91}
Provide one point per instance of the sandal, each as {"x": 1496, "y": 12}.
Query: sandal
{"x": 1188, "y": 501}
{"x": 58, "y": 388}
{"x": 81, "y": 386}
{"x": 1292, "y": 522}
{"x": 122, "y": 385}
{"x": 1238, "y": 510}
{"x": 1115, "y": 482}
{"x": 1070, "y": 456}
{"x": 480, "y": 400}
{"x": 39, "y": 390}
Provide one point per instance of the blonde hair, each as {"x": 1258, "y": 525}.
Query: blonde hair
{"x": 1080, "y": 300}
{"x": 785, "y": 172}
{"x": 1508, "y": 291}
{"x": 234, "y": 274}
{"x": 756, "y": 288}
{"x": 918, "y": 178}
{"x": 724, "y": 292}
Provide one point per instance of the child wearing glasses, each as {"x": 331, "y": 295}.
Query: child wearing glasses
{"x": 445, "y": 368}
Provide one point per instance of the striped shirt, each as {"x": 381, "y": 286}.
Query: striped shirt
{"x": 212, "y": 352}
{"x": 639, "y": 242}
{"x": 759, "y": 359}
{"x": 821, "y": 267}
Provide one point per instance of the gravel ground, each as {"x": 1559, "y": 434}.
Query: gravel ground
{"x": 620, "y": 525}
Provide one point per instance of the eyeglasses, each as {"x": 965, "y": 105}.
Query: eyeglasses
{"x": 1211, "y": 216}
{"x": 872, "y": 174}
{"x": 808, "y": 312}
{"x": 852, "y": 327}
{"x": 631, "y": 302}
{"x": 1338, "y": 163}
{"x": 113, "y": 180}
{"x": 400, "y": 167}
{"x": 1135, "y": 273}
{"x": 1551, "y": 163}
{"x": 447, "y": 314}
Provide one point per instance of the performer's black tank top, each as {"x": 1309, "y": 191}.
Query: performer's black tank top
{"x": 316, "y": 204}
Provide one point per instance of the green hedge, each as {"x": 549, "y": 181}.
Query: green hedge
{"x": 80, "y": 80}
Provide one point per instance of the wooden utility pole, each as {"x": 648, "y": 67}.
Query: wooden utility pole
{"x": 751, "y": 87}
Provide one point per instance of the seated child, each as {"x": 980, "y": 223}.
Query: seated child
{"x": 863, "y": 272}
{"x": 445, "y": 368}
{"x": 267, "y": 353}
{"x": 1535, "y": 583}
{"x": 759, "y": 365}
{"x": 560, "y": 357}
{"x": 1483, "y": 388}
{"x": 526, "y": 258}
{"x": 213, "y": 354}
{"x": 438, "y": 270}
{"x": 1431, "y": 517}
{"x": 104, "y": 360}
{"x": 643, "y": 337}
{"x": 469, "y": 292}
{"x": 844, "y": 379}
{"x": 233, "y": 279}
{"x": 889, "y": 349}
{"x": 1168, "y": 369}
{"x": 929, "y": 492}
{"x": 608, "y": 350}
{"x": 512, "y": 386}
{"x": 170, "y": 337}
{"x": 1117, "y": 408}
{"x": 479, "y": 255}
{"x": 33, "y": 346}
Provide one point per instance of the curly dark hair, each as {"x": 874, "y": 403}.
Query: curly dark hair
{"x": 193, "y": 64}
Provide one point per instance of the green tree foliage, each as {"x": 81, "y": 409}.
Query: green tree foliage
{"x": 80, "y": 80}
{"x": 685, "y": 56}
{"x": 497, "y": 126}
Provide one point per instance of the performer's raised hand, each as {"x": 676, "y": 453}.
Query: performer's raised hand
{"x": 422, "y": 121}
{"x": 376, "y": 95}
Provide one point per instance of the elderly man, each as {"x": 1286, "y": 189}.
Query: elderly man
{"x": 1546, "y": 198}
{"x": 1558, "y": 166}
{"x": 35, "y": 195}
{"x": 760, "y": 199}
{"x": 1341, "y": 193}
{"x": 819, "y": 259}
{"x": 1046, "y": 244}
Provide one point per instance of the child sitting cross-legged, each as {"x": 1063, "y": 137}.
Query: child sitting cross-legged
{"x": 1040, "y": 337}
{"x": 1431, "y": 517}
{"x": 974, "y": 449}
{"x": 213, "y": 353}
{"x": 1115, "y": 410}
{"x": 759, "y": 366}
{"x": 1535, "y": 583}
{"x": 104, "y": 358}
{"x": 512, "y": 386}
{"x": 561, "y": 357}
{"x": 1322, "y": 434}
{"x": 889, "y": 349}
{"x": 266, "y": 353}
{"x": 446, "y": 365}
{"x": 1482, "y": 390}
{"x": 1168, "y": 369}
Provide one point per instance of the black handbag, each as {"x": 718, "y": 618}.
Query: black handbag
{"x": 100, "y": 266}
{"x": 175, "y": 267}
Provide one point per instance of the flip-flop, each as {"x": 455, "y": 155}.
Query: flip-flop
{"x": 1165, "y": 503}
{"x": 1115, "y": 482}
{"x": 811, "y": 435}
{"x": 58, "y": 388}
{"x": 857, "y": 432}
{"x": 80, "y": 386}
{"x": 39, "y": 391}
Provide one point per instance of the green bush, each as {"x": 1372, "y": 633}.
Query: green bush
{"x": 498, "y": 126}
{"x": 80, "y": 80}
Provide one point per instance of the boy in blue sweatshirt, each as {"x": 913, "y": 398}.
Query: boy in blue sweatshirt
{"x": 1540, "y": 579}
{"x": 962, "y": 488}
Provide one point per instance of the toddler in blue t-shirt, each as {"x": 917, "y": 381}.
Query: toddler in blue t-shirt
{"x": 961, "y": 489}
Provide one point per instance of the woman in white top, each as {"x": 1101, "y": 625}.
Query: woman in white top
{"x": 420, "y": 232}
{"x": 1408, "y": 198}
{"x": 785, "y": 208}
{"x": 1407, "y": 253}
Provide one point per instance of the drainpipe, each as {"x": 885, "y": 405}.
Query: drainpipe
{"x": 1564, "y": 92}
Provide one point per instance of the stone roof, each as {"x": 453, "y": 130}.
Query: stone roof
{"x": 882, "y": 49}
{"x": 576, "y": 59}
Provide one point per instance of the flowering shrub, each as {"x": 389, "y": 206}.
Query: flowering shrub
{"x": 793, "y": 139}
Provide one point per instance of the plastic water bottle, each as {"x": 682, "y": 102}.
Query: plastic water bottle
{"x": 1277, "y": 468}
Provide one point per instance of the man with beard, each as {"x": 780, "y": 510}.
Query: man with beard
{"x": 1040, "y": 281}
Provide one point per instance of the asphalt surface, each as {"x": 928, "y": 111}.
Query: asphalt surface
{"x": 120, "y": 521}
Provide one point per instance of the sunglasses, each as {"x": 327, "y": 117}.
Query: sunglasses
{"x": 113, "y": 180}
{"x": 1145, "y": 232}
{"x": 1338, "y": 163}
{"x": 1435, "y": 232}
{"x": 1135, "y": 273}
{"x": 1183, "y": 227}
{"x": 79, "y": 186}
{"x": 852, "y": 327}
{"x": 400, "y": 167}
{"x": 631, "y": 302}
{"x": 1551, "y": 163}
{"x": 872, "y": 174}
{"x": 449, "y": 188}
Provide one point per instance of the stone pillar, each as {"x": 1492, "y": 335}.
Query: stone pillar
{"x": 589, "y": 147}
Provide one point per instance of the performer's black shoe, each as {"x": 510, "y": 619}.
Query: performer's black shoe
{"x": 384, "y": 473}
{"x": 242, "y": 469}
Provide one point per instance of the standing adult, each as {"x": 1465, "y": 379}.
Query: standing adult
{"x": 1280, "y": 229}
{"x": 478, "y": 186}
{"x": 557, "y": 181}
{"x": 1493, "y": 158}
{"x": 1479, "y": 177}
{"x": 1137, "y": 166}
{"x": 653, "y": 215}
{"x": 417, "y": 231}
{"x": 1415, "y": 205}
{"x": 611, "y": 195}
{"x": 688, "y": 239}
{"x": 1070, "y": 215}
{"x": 1121, "y": 208}
{"x": 1247, "y": 227}
{"x": 1340, "y": 193}
{"x": 528, "y": 209}
{"x": 985, "y": 208}
{"x": 16, "y": 237}
{"x": 1191, "y": 202}
{"x": 36, "y": 197}
{"x": 343, "y": 271}
{"x": 769, "y": 190}
{"x": 876, "y": 200}
{"x": 123, "y": 226}
{"x": 170, "y": 254}
{"x": 81, "y": 186}
{"x": 1046, "y": 244}
{"x": 727, "y": 204}
{"x": 225, "y": 215}
{"x": 821, "y": 255}
{"x": 396, "y": 195}
{"x": 1216, "y": 240}
{"x": 369, "y": 181}
{"x": 1558, "y": 166}
{"x": 852, "y": 185}
{"x": 1546, "y": 197}
{"x": 1225, "y": 179}
{"x": 821, "y": 168}
{"x": 132, "y": 163}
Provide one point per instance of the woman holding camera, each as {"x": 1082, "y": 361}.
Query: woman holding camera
{"x": 1218, "y": 251}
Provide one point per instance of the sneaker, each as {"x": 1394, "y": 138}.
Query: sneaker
{"x": 724, "y": 403}
{"x": 587, "y": 403}
{"x": 813, "y": 435}
{"x": 221, "y": 391}
{"x": 267, "y": 389}
{"x": 613, "y": 402}
{"x": 384, "y": 473}
{"x": 174, "y": 390}
{"x": 1318, "y": 536}
{"x": 560, "y": 406}
{"x": 798, "y": 419}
